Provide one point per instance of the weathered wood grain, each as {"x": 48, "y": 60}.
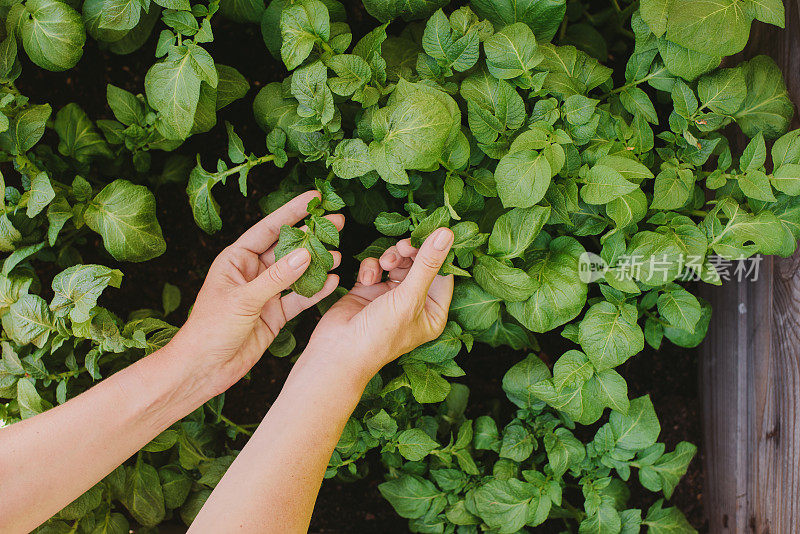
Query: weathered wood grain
{"x": 750, "y": 370}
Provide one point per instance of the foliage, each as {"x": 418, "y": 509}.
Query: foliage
{"x": 538, "y": 156}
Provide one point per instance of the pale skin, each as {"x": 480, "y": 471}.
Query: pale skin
{"x": 273, "y": 483}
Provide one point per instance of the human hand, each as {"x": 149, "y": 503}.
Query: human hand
{"x": 239, "y": 310}
{"x": 378, "y": 321}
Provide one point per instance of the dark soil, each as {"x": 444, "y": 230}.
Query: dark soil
{"x": 670, "y": 376}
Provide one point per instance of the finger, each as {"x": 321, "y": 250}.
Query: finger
{"x": 369, "y": 272}
{"x": 397, "y": 275}
{"x": 265, "y": 232}
{"x": 429, "y": 260}
{"x": 405, "y": 249}
{"x": 337, "y": 258}
{"x": 293, "y": 303}
{"x": 268, "y": 257}
{"x": 278, "y": 277}
{"x": 390, "y": 259}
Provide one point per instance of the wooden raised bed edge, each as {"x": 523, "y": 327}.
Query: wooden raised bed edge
{"x": 750, "y": 368}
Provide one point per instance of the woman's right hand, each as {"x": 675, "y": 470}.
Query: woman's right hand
{"x": 378, "y": 321}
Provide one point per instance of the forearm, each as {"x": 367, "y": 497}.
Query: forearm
{"x": 52, "y": 458}
{"x": 273, "y": 483}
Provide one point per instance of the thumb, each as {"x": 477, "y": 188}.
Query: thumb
{"x": 278, "y": 277}
{"x": 432, "y": 254}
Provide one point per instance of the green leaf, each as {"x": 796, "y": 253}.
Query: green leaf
{"x": 173, "y": 89}
{"x": 28, "y": 320}
{"x": 325, "y": 230}
{"x": 392, "y": 224}
{"x": 558, "y": 292}
{"x": 655, "y": 14}
{"x": 665, "y": 473}
{"x": 679, "y": 307}
{"x": 511, "y": 52}
{"x": 41, "y": 194}
{"x": 204, "y": 207}
{"x": 381, "y": 425}
{"x": 352, "y": 72}
{"x": 125, "y": 106}
{"x": 723, "y": 91}
{"x": 518, "y": 381}
{"x": 438, "y": 218}
{"x": 52, "y": 34}
{"x": 609, "y": 334}
{"x": 386, "y": 10}
{"x": 473, "y": 308}
{"x": 756, "y": 185}
{"x": 77, "y": 288}
{"x": 639, "y": 428}
{"x": 426, "y": 384}
{"x": 79, "y": 139}
{"x": 786, "y": 179}
{"x": 767, "y": 107}
{"x": 506, "y": 505}
{"x": 604, "y": 184}
{"x": 686, "y": 63}
{"x": 413, "y": 129}
{"x": 415, "y": 444}
{"x": 175, "y": 486}
{"x": 312, "y": 280}
{"x": 121, "y": 15}
{"x": 636, "y": 101}
{"x": 30, "y": 403}
{"x": 666, "y": 520}
{"x": 543, "y": 16}
{"x": 302, "y": 26}
{"x": 605, "y": 520}
{"x": 124, "y": 214}
{"x": 231, "y": 85}
{"x": 351, "y": 159}
{"x": 28, "y": 127}
{"x": 691, "y": 20}
{"x": 112, "y": 523}
{"x": 514, "y": 231}
{"x": 143, "y": 495}
{"x": 508, "y": 283}
{"x": 578, "y": 109}
{"x": 570, "y": 71}
{"x": 410, "y": 496}
{"x": 493, "y": 106}
{"x": 672, "y": 189}
{"x": 242, "y": 10}
{"x": 628, "y": 209}
{"x": 768, "y": 11}
{"x": 522, "y": 178}
{"x": 517, "y": 443}
{"x": 684, "y": 99}
{"x": 563, "y": 450}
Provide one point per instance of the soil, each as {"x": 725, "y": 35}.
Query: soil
{"x": 669, "y": 376}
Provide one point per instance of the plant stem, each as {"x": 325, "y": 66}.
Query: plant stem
{"x": 633, "y": 83}
{"x": 233, "y": 425}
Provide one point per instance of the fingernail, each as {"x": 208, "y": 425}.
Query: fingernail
{"x": 442, "y": 239}
{"x": 298, "y": 258}
{"x": 390, "y": 256}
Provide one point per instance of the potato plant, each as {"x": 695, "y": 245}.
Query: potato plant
{"x": 544, "y": 159}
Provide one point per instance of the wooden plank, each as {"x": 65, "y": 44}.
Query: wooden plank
{"x": 750, "y": 370}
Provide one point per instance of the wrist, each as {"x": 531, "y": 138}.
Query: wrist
{"x": 348, "y": 369}
{"x": 163, "y": 387}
